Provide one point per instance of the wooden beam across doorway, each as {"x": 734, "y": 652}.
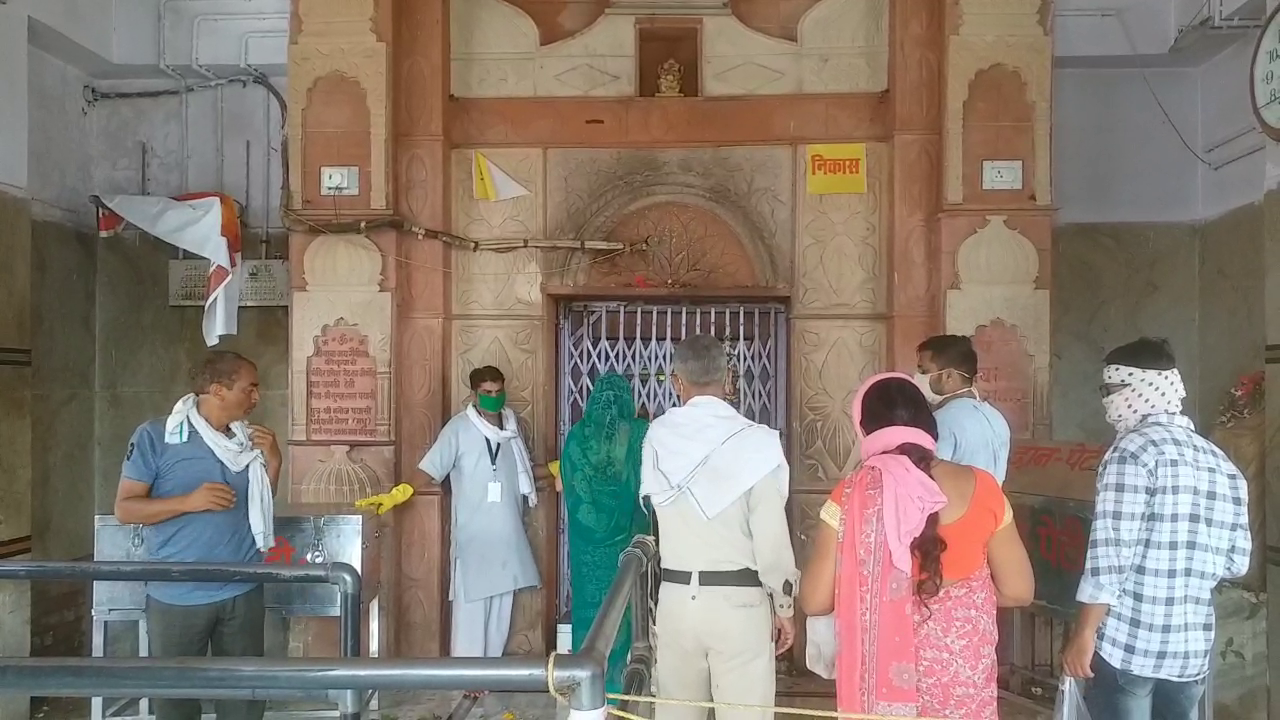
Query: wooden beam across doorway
{"x": 668, "y": 122}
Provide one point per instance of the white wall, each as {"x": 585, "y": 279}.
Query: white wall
{"x": 1116, "y": 158}
{"x": 60, "y": 142}
{"x": 248, "y": 115}
{"x": 13, "y": 91}
{"x": 1232, "y": 144}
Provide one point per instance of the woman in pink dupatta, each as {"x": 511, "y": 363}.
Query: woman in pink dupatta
{"x": 914, "y": 555}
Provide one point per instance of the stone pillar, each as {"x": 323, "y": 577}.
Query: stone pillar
{"x": 995, "y": 243}
{"x": 342, "y": 388}
{"x": 1271, "y": 279}
{"x": 422, "y": 197}
{"x": 15, "y": 435}
{"x": 916, "y": 36}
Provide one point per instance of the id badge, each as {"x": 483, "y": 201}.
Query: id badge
{"x": 495, "y": 491}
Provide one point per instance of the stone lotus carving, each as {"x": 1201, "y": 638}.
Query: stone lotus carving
{"x": 339, "y": 479}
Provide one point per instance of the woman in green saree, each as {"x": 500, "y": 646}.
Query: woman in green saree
{"x": 600, "y": 471}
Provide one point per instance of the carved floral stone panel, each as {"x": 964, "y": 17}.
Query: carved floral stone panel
{"x": 515, "y": 348}
{"x": 527, "y": 634}
{"x": 494, "y": 283}
{"x": 842, "y": 242}
{"x": 590, "y": 192}
{"x": 675, "y": 245}
{"x": 830, "y": 358}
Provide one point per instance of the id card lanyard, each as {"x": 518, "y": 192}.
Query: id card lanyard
{"x": 495, "y": 484}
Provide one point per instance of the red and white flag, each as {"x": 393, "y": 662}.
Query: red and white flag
{"x": 205, "y": 224}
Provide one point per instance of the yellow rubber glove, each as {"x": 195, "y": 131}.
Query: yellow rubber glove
{"x": 387, "y": 500}
{"x": 553, "y": 467}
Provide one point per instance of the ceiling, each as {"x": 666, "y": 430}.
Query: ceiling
{"x": 1120, "y": 34}
{"x": 196, "y": 39}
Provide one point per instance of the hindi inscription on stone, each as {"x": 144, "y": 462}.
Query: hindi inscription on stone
{"x": 342, "y": 384}
{"x": 1005, "y": 373}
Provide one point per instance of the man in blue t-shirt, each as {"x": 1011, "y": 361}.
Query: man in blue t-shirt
{"x": 194, "y": 509}
{"x": 971, "y": 431}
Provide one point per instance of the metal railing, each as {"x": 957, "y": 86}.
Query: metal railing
{"x": 579, "y": 677}
{"x": 341, "y": 575}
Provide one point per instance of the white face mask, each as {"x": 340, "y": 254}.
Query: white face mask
{"x": 922, "y": 380}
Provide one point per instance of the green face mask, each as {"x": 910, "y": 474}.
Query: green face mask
{"x": 492, "y": 403}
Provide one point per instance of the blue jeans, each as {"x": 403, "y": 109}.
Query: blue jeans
{"x": 1117, "y": 695}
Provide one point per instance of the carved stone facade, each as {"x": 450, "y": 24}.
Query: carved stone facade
{"x": 994, "y": 248}
{"x": 337, "y": 38}
{"x": 708, "y": 198}
{"x": 842, "y": 46}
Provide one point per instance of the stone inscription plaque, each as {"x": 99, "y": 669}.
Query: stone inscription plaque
{"x": 1005, "y": 374}
{"x": 342, "y": 386}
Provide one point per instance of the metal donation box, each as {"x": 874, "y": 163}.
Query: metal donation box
{"x": 305, "y": 534}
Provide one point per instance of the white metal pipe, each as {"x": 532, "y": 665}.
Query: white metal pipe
{"x": 1249, "y": 129}
{"x": 224, "y": 17}
{"x": 257, "y": 35}
{"x": 1255, "y": 149}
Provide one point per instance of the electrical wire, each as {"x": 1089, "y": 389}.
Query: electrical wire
{"x": 1146, "y": 80}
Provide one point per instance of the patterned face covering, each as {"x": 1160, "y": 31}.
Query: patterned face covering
{"x": 1135, "y": 393}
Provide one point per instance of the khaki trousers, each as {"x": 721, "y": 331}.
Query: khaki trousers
{"x": 714, "y": 643}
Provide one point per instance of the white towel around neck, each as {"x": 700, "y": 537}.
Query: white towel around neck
{"x": 236, "y": 453}
{"x": 707, "y": 449}
{"x": 509, "y": 433}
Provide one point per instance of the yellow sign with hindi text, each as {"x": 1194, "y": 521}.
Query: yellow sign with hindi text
{"x": 836, "y": 169}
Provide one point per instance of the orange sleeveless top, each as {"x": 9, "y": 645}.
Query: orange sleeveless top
{"x": 967, "y": 536}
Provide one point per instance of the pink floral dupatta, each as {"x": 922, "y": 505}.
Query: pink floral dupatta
{"x": 885, "y": 504}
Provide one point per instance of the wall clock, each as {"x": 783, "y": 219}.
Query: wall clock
{"x": 1264, "y": 80}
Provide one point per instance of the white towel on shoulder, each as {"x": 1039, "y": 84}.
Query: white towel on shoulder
{"x": 509, "y": 433}
{"x": 237, "y": 453}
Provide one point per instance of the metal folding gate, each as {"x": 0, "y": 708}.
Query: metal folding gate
{"x": 637, "y": 340}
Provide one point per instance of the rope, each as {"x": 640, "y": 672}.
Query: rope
{"x": 776, "y": 710}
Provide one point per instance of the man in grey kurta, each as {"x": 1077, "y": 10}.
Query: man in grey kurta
{"x": 489, "y": 551}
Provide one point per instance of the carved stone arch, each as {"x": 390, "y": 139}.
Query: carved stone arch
{"x": 1029, "y": 56}
{"x": 733, "y": 247}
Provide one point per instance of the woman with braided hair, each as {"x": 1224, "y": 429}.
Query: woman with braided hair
{"x": 913, "y": 556}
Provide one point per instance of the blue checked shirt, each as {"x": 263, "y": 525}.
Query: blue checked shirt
{"x": 1170, "y": 522}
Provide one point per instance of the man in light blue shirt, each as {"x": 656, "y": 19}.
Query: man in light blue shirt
{"x": 194, "y": 508}
{"x": 971, "y": 431}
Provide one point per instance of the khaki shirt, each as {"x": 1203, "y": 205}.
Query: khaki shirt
{"x": 751, "y": 533}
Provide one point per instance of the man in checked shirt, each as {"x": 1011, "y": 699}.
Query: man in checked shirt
{"x": 1170, "y": 522}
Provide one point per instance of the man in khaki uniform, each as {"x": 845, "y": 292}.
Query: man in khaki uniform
{"x": 718, "y": 484}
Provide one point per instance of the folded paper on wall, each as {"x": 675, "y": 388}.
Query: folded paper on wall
{"x": 205, "y": 224}
{"x": 492, "y": 183}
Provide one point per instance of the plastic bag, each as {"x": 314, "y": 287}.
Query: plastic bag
{"x": 820, "y": 645}
{"x": 1070, "y": 704}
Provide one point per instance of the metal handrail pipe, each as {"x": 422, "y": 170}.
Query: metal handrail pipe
{"x": 346, "y": 577}
{"x": 342, "y": 575}
{"x": 578, "y": 676}
{"x": 604, "y": 630}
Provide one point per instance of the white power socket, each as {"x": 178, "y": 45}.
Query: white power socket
{"x": 1001, "y": 174}
{"x": 340, "y": 181}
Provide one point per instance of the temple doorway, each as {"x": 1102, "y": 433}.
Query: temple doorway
{"x": 636, "y": 340}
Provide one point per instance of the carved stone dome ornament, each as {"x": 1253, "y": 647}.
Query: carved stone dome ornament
{"x": 342, "y": 263}
{"x": 997, "y": 255}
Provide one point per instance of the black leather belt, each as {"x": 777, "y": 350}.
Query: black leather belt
{"x": 714, "y": 578}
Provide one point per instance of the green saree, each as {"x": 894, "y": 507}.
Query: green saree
{"x": 600, "y": 471}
